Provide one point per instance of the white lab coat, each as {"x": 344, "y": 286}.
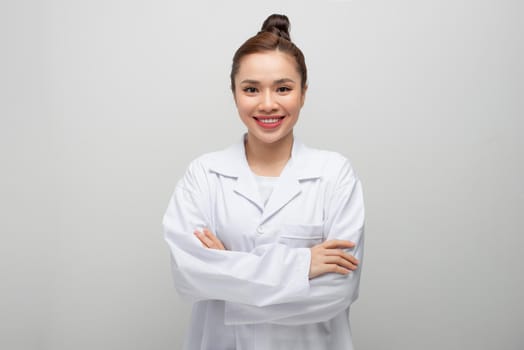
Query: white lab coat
{"x": 256, "y": 294}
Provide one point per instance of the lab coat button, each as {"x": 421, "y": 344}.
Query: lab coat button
{"x": 260, "y": 230}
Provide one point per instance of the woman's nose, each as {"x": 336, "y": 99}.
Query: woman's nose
{"x": 268, "y": 102}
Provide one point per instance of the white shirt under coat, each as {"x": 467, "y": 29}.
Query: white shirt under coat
{"x": 257, "y": 294}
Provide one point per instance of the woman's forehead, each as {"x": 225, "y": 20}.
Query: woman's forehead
{"x": 267, "y": 66}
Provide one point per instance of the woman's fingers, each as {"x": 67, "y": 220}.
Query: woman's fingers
{"x": 338, "y": 243}
{"x": 340, "y": 270}
{"x": 206, "y": 242}
{"x": 343, "y": 254}
{"x": 340, "y": 261}
{"x": 209, "y": 240}
{"x": 217, "y": 244}
{"x": 330, "y": 257}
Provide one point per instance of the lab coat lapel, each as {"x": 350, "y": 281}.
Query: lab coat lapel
{"x": 246, "y": 186}
{"x": 232, "y": 163}
{"x": 301, "y": 166}
{"x": 286, "y": 189}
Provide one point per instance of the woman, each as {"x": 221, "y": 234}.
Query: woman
{"x": 266, "y": 236}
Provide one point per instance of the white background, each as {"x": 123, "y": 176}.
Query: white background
{"x": 104, "y": 103}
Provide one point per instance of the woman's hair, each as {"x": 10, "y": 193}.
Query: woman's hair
{"x": 274, "y": 36}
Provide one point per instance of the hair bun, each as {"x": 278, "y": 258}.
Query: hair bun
{"x": 277, "y": 24}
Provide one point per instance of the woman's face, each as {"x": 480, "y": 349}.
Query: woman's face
{"x": 268, "y": 95}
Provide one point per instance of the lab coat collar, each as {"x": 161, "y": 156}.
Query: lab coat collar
{"x": 232, "y": 161}
{"x": 301, "y": 166}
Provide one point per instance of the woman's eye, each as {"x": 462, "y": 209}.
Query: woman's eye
{"x": 250, "y": 90}
{"x": 283, "y": 89}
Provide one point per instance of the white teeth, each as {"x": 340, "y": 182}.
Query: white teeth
{"x": 269, "y": 121}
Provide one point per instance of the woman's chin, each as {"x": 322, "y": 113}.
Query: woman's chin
{"x": 269, "y": 138}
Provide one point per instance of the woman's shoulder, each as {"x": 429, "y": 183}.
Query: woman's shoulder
{"x": 325, "y": 155}
{"x": 225, "y": 161}
{"x": 197, "y": 172}
{"x": 329, "y": 161}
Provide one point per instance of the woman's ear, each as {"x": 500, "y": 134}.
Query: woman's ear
{"x": 303, "y": 97}
{"x": 234, "y": 97}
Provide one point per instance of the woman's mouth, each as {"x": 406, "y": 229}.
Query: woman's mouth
{"x": 269, "y": 122}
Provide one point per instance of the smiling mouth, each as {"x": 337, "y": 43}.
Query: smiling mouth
{"x": 269, "y": 122}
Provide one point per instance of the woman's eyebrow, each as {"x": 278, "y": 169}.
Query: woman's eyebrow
{"x": 276, "y": 82}
{"x": 249, "y": 81}
{"x": 284, "y": 80}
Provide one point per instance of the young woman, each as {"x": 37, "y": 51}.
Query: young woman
{"x": 266, "y": 236}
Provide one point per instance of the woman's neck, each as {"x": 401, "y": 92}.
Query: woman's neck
{"x": 268, "y": 159}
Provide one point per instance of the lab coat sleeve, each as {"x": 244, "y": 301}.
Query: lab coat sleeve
{"x": 271, "y": 274}
{"x": 330, "y": 293}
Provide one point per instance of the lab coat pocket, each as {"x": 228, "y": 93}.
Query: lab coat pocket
{"x": 301, "y": 236}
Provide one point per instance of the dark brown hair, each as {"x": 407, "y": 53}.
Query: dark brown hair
{"x": 274, "y": 35}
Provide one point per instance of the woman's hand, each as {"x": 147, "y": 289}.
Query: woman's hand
{"x": 209, "y": 240}
{"x": 328, "y": 257}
